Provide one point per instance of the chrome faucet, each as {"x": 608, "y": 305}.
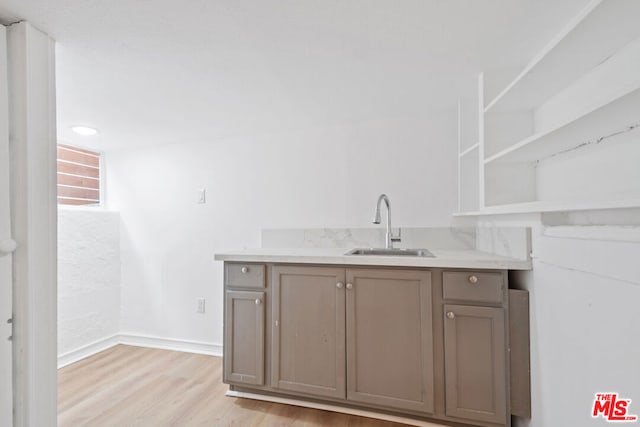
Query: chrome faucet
{"x": 390, "y": 238}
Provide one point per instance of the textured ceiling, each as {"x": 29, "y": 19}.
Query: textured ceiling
{"x": 152, "y": 72}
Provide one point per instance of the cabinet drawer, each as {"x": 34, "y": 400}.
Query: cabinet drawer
{"x": 244, "y": 275}
{"x": 472, "y": 286}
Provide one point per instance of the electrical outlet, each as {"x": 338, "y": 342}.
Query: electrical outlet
{"x": 201, "y": 306}
{"x": 202, "y": 196}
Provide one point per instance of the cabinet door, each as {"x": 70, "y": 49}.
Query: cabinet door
{"x": 244, "y": 337}
{"x": 308, "y": 350}
{"x": 390, "y": 338}
{"x": 475, "y": 370}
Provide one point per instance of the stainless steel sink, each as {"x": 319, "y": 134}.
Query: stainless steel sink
{"x": 391, "y": 252}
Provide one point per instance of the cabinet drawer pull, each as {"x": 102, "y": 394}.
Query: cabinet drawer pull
{"x": 349, "y": 286}
{"x": 339, "y": 285}
{"x": 245, "y": 270}
{"x": 473, "y": 279}
{"x": 451, "y": 315}
{"x": 258, "y": 301}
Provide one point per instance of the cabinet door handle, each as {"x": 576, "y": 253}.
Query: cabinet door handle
{"x": 258, "y": 301}
{"x": 339, "y": 285}
{"x": 349, "y": 285}
{"x": 473, "y": 279}
{"x": 451, "y": 315}
{"x": 244, "y": 270}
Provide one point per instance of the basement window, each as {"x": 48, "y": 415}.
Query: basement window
{"x": 78, "y": 176}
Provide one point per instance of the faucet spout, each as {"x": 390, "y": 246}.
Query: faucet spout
{"x": 389, "y": 238}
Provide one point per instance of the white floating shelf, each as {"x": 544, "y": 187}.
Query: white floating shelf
{"x": 469, "y": 150}
{"x": 553, "y": 206}
{"x": 601, "y": 28}
{"x": 600, "y": 121}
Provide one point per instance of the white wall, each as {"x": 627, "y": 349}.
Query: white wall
{"x": 584, "y": 294}
{"x": 88, "y": 277}
{"x": 6, "y": 259}
{"x": 318, "y": 178}
{"x": 32, "y": 151}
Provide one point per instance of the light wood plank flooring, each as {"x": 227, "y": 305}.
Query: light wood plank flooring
{"x": 135, "y": 386}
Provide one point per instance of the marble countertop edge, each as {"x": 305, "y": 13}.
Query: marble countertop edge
{"x": 443, "y": 258}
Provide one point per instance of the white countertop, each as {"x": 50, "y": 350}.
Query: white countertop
{"x": 443, "y": 258}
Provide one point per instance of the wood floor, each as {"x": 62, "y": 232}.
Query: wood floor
{"x": 135, "y": 386}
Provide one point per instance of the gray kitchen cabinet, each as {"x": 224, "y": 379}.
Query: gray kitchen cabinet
{"x": 425, "y": 342}
{"x": 244, "y": 337}
{"x": 390, "y": 338}
{"x": 376, "y": 327}
{"x": 475, "y": 366}
{"x": 308, "y": 330}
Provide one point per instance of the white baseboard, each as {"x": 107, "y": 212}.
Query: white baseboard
{"x": 334, "y": 408}
{"x": 186, "y": 346}
{"x": 87, "y": 350}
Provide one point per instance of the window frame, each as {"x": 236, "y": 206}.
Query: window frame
{"x": 101, "y": 173}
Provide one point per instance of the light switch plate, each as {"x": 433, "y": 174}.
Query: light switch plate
{"x": 202, "y": 196}
{"x": 201, "y": 305}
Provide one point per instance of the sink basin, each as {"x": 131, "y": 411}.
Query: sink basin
{"x": 391, "y": 252}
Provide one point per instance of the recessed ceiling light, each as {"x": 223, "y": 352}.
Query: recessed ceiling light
{"x": 84, "y": 130}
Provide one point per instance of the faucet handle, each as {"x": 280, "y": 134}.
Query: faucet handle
{"x": 397, "y": 237}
